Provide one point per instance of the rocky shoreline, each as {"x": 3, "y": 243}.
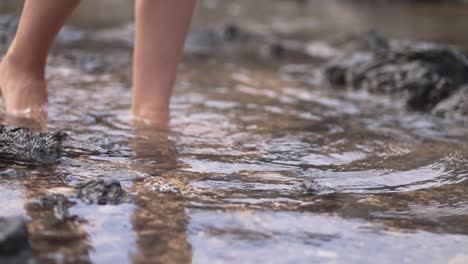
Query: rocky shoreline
{"x": 429, "y": 77}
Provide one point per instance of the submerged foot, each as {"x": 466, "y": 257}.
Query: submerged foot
{"x": 23, "y": 90}
{"x": 151, "y": 116}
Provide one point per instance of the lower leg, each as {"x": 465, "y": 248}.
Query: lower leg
{"x": 161, "y": 27}
{"x": 22, "y": 69}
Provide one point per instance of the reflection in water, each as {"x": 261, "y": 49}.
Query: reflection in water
{"x": 160, "y": 219}
{"x": 152, "y": 229}
{"x": 14, "y": 194}
{"x": 108, "y": 231}
{"x": 159, "y": 223}
{"x": 308, "y": 238}
{"x": 154, "y": 151}
{"x": 55, "y": 240}
{"x": 258, "y": 168}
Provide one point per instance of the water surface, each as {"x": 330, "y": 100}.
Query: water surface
{"x": 259, "y": 167}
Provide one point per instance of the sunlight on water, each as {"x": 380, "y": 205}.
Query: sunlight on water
{"x": 258, "y": 166}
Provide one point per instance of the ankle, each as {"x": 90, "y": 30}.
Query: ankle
{"x": 151, "y": 115}
{"x": 17, "y": 64}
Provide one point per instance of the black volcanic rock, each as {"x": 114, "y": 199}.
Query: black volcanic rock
{"x": 102, "y": 192}
{"x": 455, "y": 107}
{"x": 423, "y": 74}
{"x": 24, "y": 145}
{"x": 13, "y": 236}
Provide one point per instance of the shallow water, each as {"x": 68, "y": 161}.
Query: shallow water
{"x": 226, "y": 185}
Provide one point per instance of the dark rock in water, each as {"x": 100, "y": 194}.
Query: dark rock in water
{"x": 424, "y": 74}
{"x": 88, "y": 62}
{"x": 12, "y": 174}
{"x": 95, "y": 145}
{"x": 310, "y": 186}
{"x": 23, "y": 145}
{"x": 102, "y": 192}
{"x": 13, "y": 236}
{"x": 161, "y": 185}
{"x": 69, "y": 35}
{"x": 205, "y": 41}
{"x": 14, "y": 242}
{"x": 231, "y": 39}
{"x": 455, "y": 107}
{"x": 93, "y": 65}
{"x": 378, "y": 43}
{"x": 58, "y": 203}
{"x": 224, "y": 40}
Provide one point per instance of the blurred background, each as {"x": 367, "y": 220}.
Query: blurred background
{"x": 440, "y": 21}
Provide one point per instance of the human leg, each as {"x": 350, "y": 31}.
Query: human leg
{"x": 22, "y": 69}
{"x": 161, "y": 27}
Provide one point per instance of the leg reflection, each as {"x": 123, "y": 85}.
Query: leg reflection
{"x": 160, "y": 220}
{"x": 56, "y": 236}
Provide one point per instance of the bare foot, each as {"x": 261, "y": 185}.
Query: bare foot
{"x": 23, "y": 90}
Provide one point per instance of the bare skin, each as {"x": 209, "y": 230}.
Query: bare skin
{"x": 161, "y": 27}
{"x": 22, "y": 69}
